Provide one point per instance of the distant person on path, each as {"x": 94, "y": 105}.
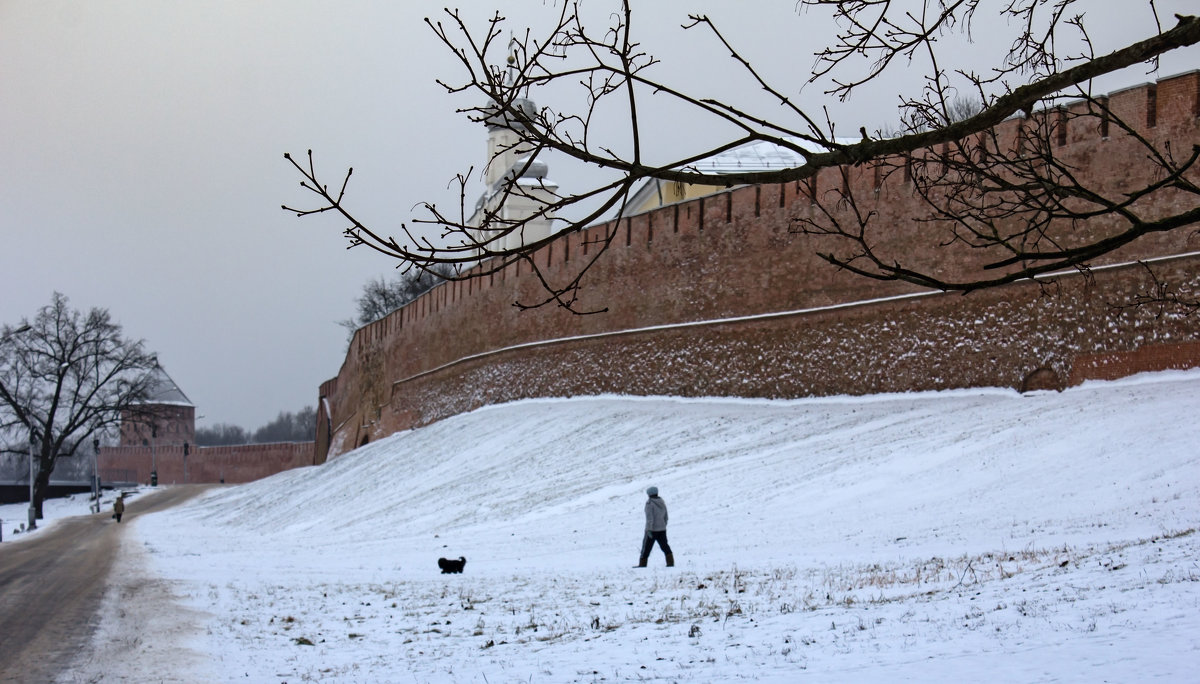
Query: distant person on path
{"x": 656, "y": 528}
{"x": 119, "y": 507}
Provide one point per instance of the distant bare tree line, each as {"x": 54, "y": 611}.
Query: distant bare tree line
{"x": 381, "y": 296}
{"x": 286, "y": 427}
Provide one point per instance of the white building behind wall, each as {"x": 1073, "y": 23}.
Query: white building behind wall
{"x": 508, "y": 157}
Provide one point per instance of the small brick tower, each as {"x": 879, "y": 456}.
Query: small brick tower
{"x": 166, "y": 418}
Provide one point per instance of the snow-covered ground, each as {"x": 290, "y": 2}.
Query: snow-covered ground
{"x": 14, "y": 517}
{"x": 952, "y": 536}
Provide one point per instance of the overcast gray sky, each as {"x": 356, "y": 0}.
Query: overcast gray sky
{"x": 142, "y": 170}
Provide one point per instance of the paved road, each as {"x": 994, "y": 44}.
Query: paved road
{"x": 51, "y": 587}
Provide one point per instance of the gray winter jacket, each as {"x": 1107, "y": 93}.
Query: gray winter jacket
{"x": 656, "y": 514}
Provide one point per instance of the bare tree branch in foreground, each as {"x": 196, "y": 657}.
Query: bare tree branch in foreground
{"x": 1019, "y": 207}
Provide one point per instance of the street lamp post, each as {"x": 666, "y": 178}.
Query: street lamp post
{"x": 18, "y": 331}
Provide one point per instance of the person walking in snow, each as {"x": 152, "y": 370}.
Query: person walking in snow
{"x": 119, "y": 507}
{"x": 656, "y": 528}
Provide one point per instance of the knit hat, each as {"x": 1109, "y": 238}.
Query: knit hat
{"x": 652, "y": 491}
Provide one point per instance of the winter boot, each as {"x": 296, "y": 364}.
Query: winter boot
{"x": 670, "y": 560}
{"x": 641, "y": 563}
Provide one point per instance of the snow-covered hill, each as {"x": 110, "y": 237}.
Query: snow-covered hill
{"x": 933, "y": 537}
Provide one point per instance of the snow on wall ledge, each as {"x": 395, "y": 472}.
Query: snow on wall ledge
{"x": 733, "y": 262}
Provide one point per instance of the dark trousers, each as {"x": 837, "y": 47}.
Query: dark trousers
{"x": 659, "y": 536}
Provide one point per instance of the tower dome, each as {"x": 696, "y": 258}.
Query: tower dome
{"x": 504, "y": 119}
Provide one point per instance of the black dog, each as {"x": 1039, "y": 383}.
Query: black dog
{"x": 448, "y": 565}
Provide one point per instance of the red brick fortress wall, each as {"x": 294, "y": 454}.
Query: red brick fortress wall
{"x": 1008, "y": 337}
{"x": 229, "y": 464}
{"x": 720, "y": 296}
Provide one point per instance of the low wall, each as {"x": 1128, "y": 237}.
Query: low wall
{"x": 1114, "y": 365}
{"x": 16, "y": 493}
{"x": 229, "y": 464}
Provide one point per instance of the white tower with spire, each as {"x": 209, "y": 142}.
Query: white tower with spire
{"x": 509, "y": 157}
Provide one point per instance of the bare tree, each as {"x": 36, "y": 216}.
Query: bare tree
{"x": 222, "y": 434}
{"x": 1019, "y": 210}
{"x": 381, "y": 296}
{"x": 65, "y": 377}
{"x": 289, "y": 427}
{"x": 300, "y": 426}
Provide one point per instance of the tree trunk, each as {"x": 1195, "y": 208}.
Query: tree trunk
{"x": 41, "y": 484}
